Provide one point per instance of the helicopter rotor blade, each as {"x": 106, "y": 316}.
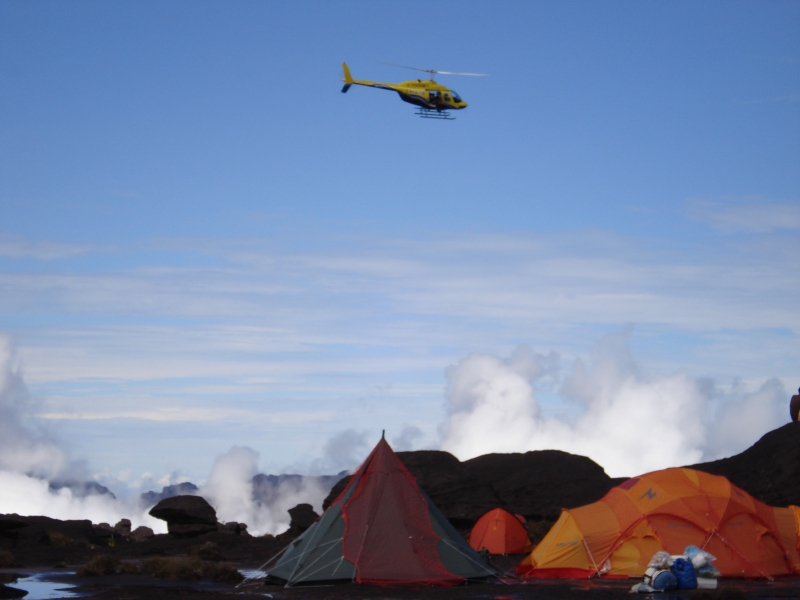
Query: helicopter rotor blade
{"x": 434, "y": 71}
{"x": 458, "y": 73}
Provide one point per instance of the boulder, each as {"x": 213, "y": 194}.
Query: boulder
{"x": 186, "y": 516}
{"x": 233, "y": 528}
{"x": 303, "y": 516}
{"x": 185, "y": 510}
{"x": 141, "y": 534}
{"x": 123, "y": 527}
{"x": 103, "y": 533}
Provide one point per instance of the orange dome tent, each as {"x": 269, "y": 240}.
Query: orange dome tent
{"x": 500, "y": 532}
{"x": 669, "y": 510}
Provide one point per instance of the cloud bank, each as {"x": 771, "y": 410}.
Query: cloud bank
{"x": 34, "y": 468}
{"x": 630, "y": 422}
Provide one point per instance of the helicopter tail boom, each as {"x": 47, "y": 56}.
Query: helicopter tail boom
{"x": 348, "y": 79}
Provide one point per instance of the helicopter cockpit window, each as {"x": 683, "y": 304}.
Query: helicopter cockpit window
{"x": 456, "y": 97}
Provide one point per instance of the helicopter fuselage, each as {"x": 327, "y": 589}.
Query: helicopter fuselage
{"x": 428, "y": 94}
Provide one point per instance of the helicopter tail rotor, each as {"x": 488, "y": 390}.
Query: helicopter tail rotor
{"x": 348, "y": 79}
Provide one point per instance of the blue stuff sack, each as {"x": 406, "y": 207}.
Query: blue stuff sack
{"x": 665, "y": 580}
{"x": 684, "y": 572}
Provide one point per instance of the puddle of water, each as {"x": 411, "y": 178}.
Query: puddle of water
{"x": 39, "y": 588}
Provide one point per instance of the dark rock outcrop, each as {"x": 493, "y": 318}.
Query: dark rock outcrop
{"x": 141, "y": 534}
{"x": 16, "y": 530}
{"x": 123, "y": 528}
{"x": 233, "y": 528}
{"x": 303, "y": 516}
{"x": 539, "y": 484}
{"x": 769, "y": 470}
{"x": 186, "y": 516}
{"x": 535, "y": 484}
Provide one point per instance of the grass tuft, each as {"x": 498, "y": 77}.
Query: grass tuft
{"x": 208, "y": 551}
{"x": 190, "y": 569}
{"x": 99, "y": 565}
{"x": 6, "y": 559}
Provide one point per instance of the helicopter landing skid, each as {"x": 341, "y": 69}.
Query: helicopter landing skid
{"x": 428, "y": 113}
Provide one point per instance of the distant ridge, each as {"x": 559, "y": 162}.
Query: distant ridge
{"x": 179, "y": 489}
{"x": 266, "y": 488}
{"x": 769, "y": 470}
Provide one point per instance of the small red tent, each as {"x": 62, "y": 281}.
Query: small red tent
{"x": 500, "y": 532}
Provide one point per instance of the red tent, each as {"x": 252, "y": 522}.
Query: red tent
{"x": 500, "y": 532}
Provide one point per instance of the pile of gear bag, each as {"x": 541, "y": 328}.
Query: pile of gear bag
{"x": 690, "y": 570}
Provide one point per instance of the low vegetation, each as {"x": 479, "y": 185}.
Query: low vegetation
{"x": 208, "y": 551}
{"x": 190, "y": 569}
{"x": 99, "y": 565}
{"x": 6, "y": 559}
{"x": 169, "y": 569}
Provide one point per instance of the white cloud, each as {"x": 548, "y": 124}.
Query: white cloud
{"x": 747, "y": 215}
{"x": 190, "y": 414}
{"x": 230, "y": 491}
{"x": 366, "y": 326}
{"x": 15, "y": 246}
{"x": 629, "y": 422}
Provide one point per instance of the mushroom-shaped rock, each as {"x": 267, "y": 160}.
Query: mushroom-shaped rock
{"x": 186, "y": 516}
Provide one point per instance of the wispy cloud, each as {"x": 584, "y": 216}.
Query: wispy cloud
{"x": 244, "y": 330}
{"x": 16, "y": 246}
{"x": 747, "y": 215}
{"x": 181, "y": 414}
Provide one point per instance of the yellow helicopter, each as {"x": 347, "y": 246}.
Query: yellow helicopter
{"x": 433, "y": 100}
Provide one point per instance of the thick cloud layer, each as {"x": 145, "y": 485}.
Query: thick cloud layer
{"x": 628, "y": 421}
{"x": 230, "y": 490}
{"x": 33, "y": 464}
{"x": 21, "y": 449}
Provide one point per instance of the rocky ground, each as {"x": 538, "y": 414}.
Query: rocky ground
{"x": 198, "y": 550}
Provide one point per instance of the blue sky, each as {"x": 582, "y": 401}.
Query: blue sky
{"x": 204, "y": 243}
